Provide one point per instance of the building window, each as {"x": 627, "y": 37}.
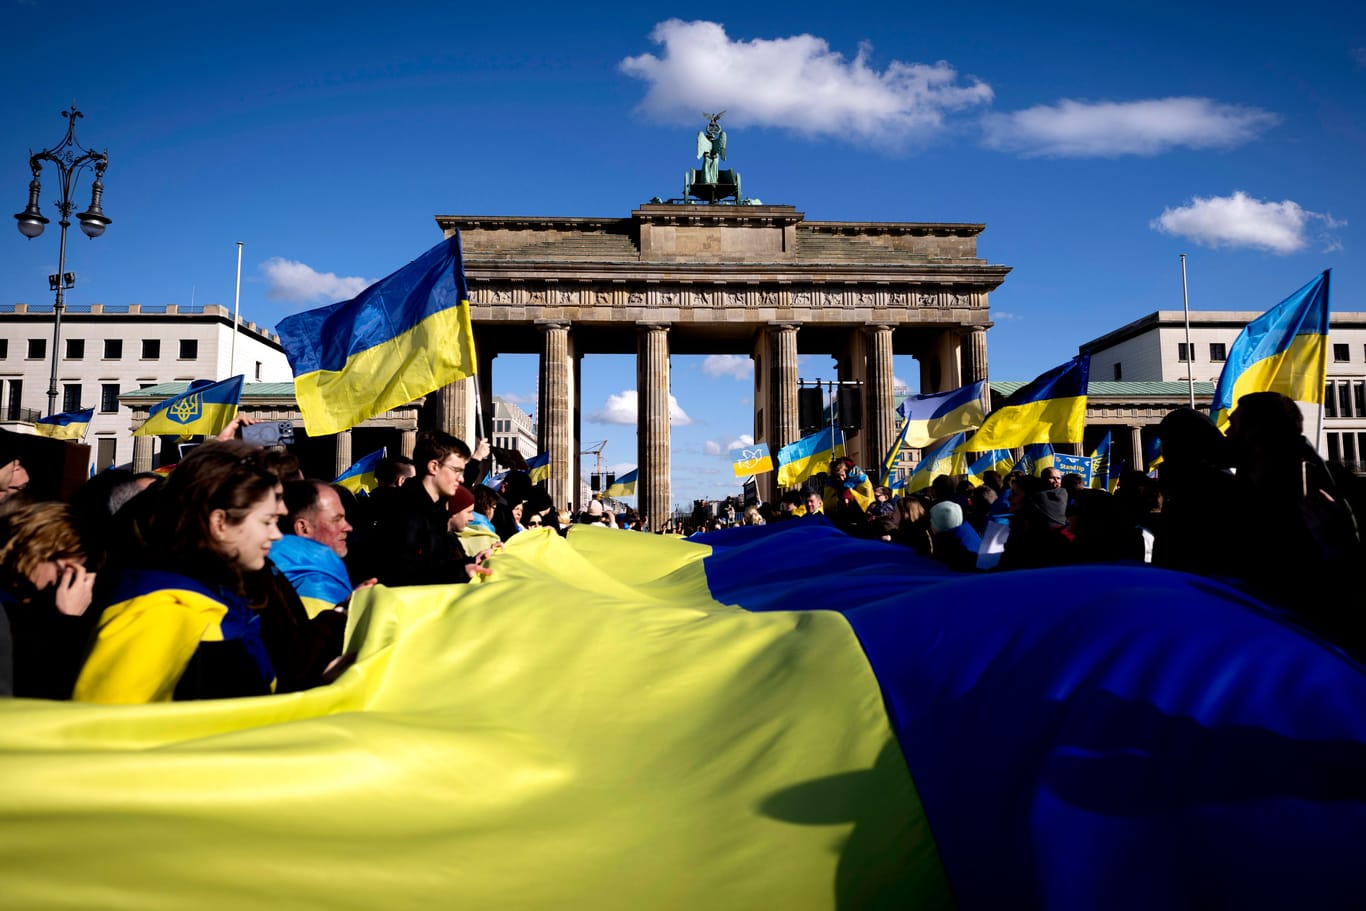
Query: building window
{"x": 71, "y": 397}
{"x": 1119, "y": 371}
{"x": 1359, "y": 397}
{"x": 1330, "y": 401}
{"x": 4, "y": 348}
{"x": 75, "y": 349}
{"x": 189, "y": 349}
{"x": 1183, "y": 352}
{"x": 258, "y": 371}
{"x": 16, "y": 397}
{"x": 113, "y": 349}
{"x": 1217, "y": 352}
{"x": 109, "y": 397}
{"x": 151, "y": 349}
{"x": 1344, "y": 400}
{"x": 1341, "y": 354}
{"x": 37, "y": 347}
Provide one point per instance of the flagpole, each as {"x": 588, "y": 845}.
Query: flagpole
{"x": 1190, "y": 352}
{"x": 236, "y": 302}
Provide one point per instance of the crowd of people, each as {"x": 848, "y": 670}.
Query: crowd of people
{"x": 232, "y": 575}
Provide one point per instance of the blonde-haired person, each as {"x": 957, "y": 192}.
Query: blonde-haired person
{"x": 46, "y": 592}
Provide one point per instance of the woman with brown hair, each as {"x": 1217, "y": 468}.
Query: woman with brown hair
{"x": 45, "y": 591}
{"x": 180, "y": 626}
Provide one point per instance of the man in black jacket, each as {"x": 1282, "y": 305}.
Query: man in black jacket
{"x": 411, "y": 545}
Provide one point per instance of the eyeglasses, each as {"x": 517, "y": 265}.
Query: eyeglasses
{"x": 534, "y": 523}
{"x": 455, "y": 468}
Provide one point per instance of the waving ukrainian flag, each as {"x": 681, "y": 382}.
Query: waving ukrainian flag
{"x": 1051, "y": 409}
{"x": 624, "y": 485}
{"x": 937, "y": 415}
{"x": 361, "y": 476}
{"x": 203, "y": 409}
{"x": 942, "y": 458}
{"x": 69, "y": 425}
{"x": 808, "y": 456}
{"x": 1284, "y": 350}
{"x": 401, "y": 338}
{"x": 538, "y": 467}
{"x": 627, "y": 721}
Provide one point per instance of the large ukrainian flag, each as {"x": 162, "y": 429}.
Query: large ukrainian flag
{"x": 624, "y": 721}
{"x": 1284, "y": 350}
{"x": 808, "y": 456}
{"x": 1051, "y": 409}
{"x": 403, "y": 337}
{"x": 203, "y": 409}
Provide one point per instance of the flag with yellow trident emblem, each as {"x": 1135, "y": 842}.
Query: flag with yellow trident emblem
{"x": 205, "y": 408}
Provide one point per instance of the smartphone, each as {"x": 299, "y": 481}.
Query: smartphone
{"x": 269, "y": 433}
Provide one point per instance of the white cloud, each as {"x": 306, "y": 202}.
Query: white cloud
{"x": 796, "y": 83}
{"x": 620, "y": 408}
{"x": 1005, "y": 316}
{"x": 288, "y": 280}
{"x": 1241, "y": 221}
{"x": 711, "y": 448}
{"x": 743, "y": 440}
{"x": 1076, "y": 129}
{"x": 735, "y": 365}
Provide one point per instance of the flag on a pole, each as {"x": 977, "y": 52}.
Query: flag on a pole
{"x": 1051, "y": 409}
{"x": 942, "y": 458}
{"x": 937, "y": 415}
{"x": 69, "y": 425}
{"x": 1100, "y": 464}
{"x": 401, "y": 338}
{"x": 1284, "y": 350}
{"x": 624, "y": 486}
{"x": 808, "y": 456}
{"x": 538, "y": 467}
{"x": 997, "y": 460}
{"x": 1035, "y": 458}
{"x": 203, "y": 409}
{"x": 361, "y": 476}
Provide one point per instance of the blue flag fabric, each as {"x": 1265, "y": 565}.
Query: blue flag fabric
{"x": 401, "y": 338}
{"x": 941, "y": 458}
{"x": 204, "y": 409}
{"x": 68, "y": 425}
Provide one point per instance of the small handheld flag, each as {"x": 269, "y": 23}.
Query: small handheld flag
{"x": 360, "y": 477}
{"x": 203, "y": 409}
{"x": 624, "y": 486}
{"x": 69, "y": 425}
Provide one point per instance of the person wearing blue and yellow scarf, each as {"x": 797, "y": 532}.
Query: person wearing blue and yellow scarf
{"x": 179, "y": 627}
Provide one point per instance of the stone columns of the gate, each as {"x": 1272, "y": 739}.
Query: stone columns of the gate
{"x": 652, "y": 422}
{"x": 880, "y": 407}
{"x": 454, "y": 410}
{"x": 342, "y": 455}
{"x": 555, "y": 410}
{"x": 974, "y": 355}
{"x": 142, "y": 453}
{"x": 485, "y": 381}
{"x": 783, "y": 399}
{"x": 407, "y": 442}
{"x": 1135, "y": 447}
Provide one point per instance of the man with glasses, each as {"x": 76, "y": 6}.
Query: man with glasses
{"x": 412, "y": 546}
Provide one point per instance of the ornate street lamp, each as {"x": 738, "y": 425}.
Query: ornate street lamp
{"x": 71, "y": 158}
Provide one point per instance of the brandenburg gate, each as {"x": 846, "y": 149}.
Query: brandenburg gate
{"x": 689, "y": 278}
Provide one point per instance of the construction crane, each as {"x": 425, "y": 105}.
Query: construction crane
{"x": 596, "y": 449}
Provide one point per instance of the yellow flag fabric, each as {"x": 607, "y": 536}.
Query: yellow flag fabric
{"x": 587, "y": 729}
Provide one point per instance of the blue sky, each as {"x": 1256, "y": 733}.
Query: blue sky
{"x": 1096, "y": 142}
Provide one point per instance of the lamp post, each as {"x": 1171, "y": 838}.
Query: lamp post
{"x": 71, "y": 158}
